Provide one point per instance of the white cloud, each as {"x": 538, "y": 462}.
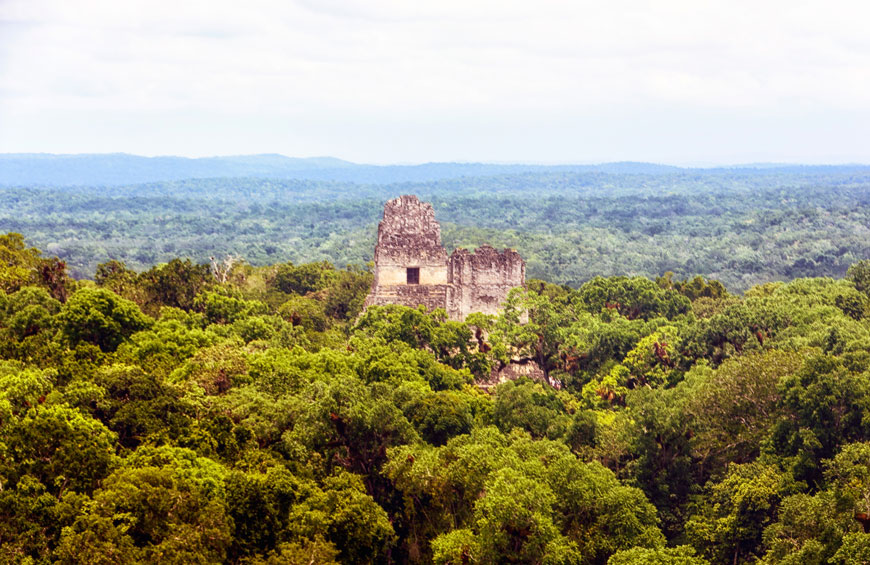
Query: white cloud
{"x": 385, "y": 81}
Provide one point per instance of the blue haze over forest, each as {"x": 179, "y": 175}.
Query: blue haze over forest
{"x": 123, "y": 169}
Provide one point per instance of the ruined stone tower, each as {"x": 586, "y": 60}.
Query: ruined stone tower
{"x": 412, "y": 268}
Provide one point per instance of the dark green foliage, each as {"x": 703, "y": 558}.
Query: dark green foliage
{"x": 859, "y": 274}
{"x": 175, "y": 284}
{"x": 346, "y": 293}
{"x": 440, "y": 416}
{"x": 306, "y": 312}
{"x": 695, "y": 288}
{"x": 136, "y": 405}
{"x": 303, "y": 279}
{"x": 824, "y": 406}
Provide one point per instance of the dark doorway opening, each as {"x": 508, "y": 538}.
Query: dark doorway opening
{"x": 413, "y": 275}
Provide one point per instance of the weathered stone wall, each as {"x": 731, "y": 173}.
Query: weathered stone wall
{"x": 511, "y": 372}
{"x": 391, "y": 275}
{"x": 413, "y": 295}
{"x": 482, "y": 279}
{"x": 410, "y": 237}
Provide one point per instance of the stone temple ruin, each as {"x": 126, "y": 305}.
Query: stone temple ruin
{"x": 412, "y": 268}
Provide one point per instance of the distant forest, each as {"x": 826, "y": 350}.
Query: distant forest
{"x": 742, "y": 226}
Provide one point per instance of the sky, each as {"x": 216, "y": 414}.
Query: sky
{"x": 381, "y": 81}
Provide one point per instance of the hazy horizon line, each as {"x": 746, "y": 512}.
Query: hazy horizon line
{"x": 677, "y": 164}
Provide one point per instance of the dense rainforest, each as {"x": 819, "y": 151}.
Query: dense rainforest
{"x": 742, "y": 226}
{"x": 232, "y": 413}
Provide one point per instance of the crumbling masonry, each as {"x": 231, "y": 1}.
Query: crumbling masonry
{"x": 412, "y": 268}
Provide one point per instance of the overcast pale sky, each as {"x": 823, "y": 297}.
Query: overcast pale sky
{"x": 384, "y": 81}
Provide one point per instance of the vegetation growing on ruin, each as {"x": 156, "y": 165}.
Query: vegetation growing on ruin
{"x": 172, "y": 415}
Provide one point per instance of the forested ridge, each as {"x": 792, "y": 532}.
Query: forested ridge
{"x": 231, "y": 413}
{"x": 740, "y": 226}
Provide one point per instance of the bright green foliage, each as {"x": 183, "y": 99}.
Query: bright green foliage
{"x": 265, "y": 329}
{"x": 166, "y": 344}
{"x": 304, "y": 552}
{"x": 100, "y": 317}
{"x": 31, "y": 520}
{"x": 809, "y": 530}
{"x": 848, "y": 473}
{"x": 348, "y": 517}
{"x": 244, "y": 424}
{"x": 22, "y": 388}
{"x": 514, "y": 522}
{"x": 682, "y": 555}
{"x": 592, "y": 344}
{"x": 215, "y": 368}
{"x": 398, "y": 363}
{"x": 274, "y": 511}
{"x": 456, "y": 548}
{"x": 18, "y": 263}
{"x": 223, "y": 308}
{"x": 306, "y": 312}
{"x": 21, "y": 266}
{"x": 279, "y": 372}
{"x": 28, "y": 320}
{"x": 504, "y": 498}
{"x": 736, "y": 330}
{"x": 165, "y": 510}
{"x": 532, "y": 407}
{"x": 59, "y": 446}
{"x": 653, "y": 360}
{"x": 350, "y": 425}
{"x": 728, "y": 524}
{"x": 448, "y": 340}
{"x": 530, "y": 329}
{"x": 635, "y": 297}
{"x": 568, "y": 342}
{"x": 854, "y": 551}
{"x": 346, "y": 294}
{"x": 30, "y": 311}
